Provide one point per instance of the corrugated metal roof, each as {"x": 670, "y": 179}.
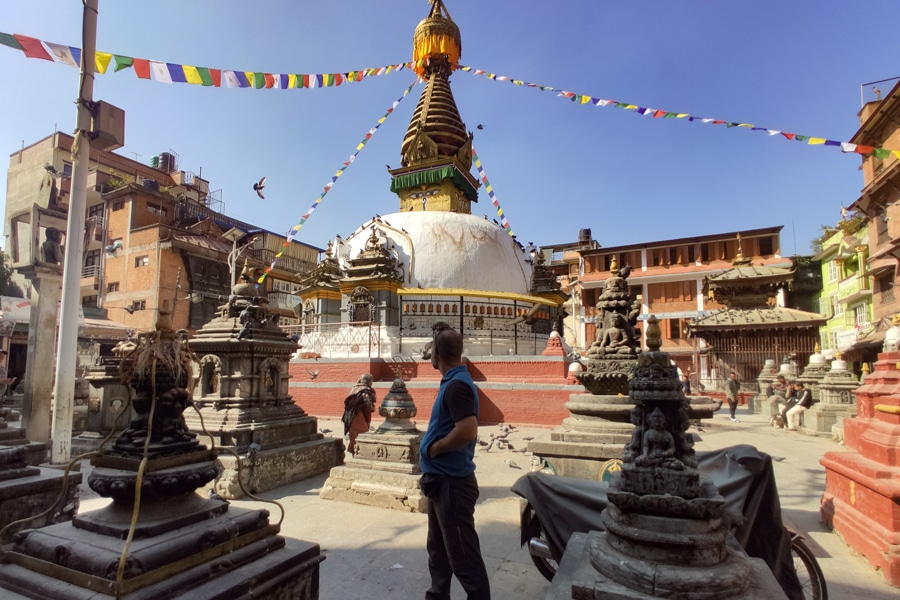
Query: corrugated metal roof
{"x": 775, "y": 316}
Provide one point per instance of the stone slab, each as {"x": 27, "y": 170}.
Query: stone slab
{"x": 269, "y": 469}
{"x": 578, "y": 579}
{"x": 291, "y": 571}
{"x": 30, "y": 496}
{"x": 372, "y": 487}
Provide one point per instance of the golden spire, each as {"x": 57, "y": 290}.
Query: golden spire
{"x": 436, "y": 38}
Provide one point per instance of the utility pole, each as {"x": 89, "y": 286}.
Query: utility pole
{"x": 67, "y": 348}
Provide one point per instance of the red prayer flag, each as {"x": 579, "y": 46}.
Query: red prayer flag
{"x": 789, "y": 136}
{"x": 32, "y": 47}
{"x": 864, "y": 149}
{"x": 142, "y": 68}
{"x": 658, "y": 114}
{"x": 718, "y": 122}
{"x": 270, "y": 80}
{"x": 338, "y": 79}
{"x": 216, "y": 75}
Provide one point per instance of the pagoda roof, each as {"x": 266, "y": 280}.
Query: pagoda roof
{"x": 755, "y": 274}
{"x": 757, "y": 318}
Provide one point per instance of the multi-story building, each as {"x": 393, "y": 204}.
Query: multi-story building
{"x": 846, "y": 297}
{"x": 879, "y": 128}
{"x": 153, "y": 236}
{"x": 668, "y": 276}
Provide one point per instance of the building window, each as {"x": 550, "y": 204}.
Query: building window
{"x": 139, "y": 305}
{"x": 675, "y": 329}
{"x": 704, "y": 252}
{"x": 112, "y": 286}
{"x": 823, "y": 306}
{"x": 156, "y": 209}
{"x": 886, "y": 287}
{"x": 860, "y": 315}
{"x": 67, "y": 170}
{"x": 118, "y": 205}
{"x": 89, "y": 301}
{"x": 833, "y": 273}
{"x": 673, "y": 256}
{"x": 96, "y": 210}
{"x": 766, "y": 247}
{"x": 691, "y": 253}
{"x": 141, "y": 261}
{"x": 92, "y": 258}
{"x": 837, "y": 306}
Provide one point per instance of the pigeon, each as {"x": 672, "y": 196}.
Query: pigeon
{"x": 258, "y": 187}
{"x": 528, "y": 438}
{"x": 625, "y": 271}
{"x": 312, "y": 374}
{"x": 253, "y": 448}
{"x": 511, "y": 464}
{"x": 325, "y": 431}
{"x": 481, "y": 442}
{"x": 479, "y": 126}
{"x": 212, "y": 495}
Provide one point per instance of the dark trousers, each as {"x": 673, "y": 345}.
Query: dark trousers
{"x": 452, "y": 544}
{"x": 732, "y": 405}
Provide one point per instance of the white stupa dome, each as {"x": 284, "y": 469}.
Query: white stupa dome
{"x": 448, "y": 251}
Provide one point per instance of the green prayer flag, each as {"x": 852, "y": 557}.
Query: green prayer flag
{"x": 881, "y": 153}
{"x": 205, "y": 76}
{"x": 801, "y": 138}
{"x": 8, "y": 40}
{"x": 122, "y": 62}
{"x": 259, "y": 80}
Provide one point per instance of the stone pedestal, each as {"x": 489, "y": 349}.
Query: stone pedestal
{"x": 578, "y": 578}
{"x": 28, "y": 491}
{"x": 106, "y": 398}
{"x": 242, "y": 397}
{"x": 836, "y": 402}
{"x": 813, "y": 374}
{"x": 862, "y": 487}
{"x": 765, "y": 379}
{"x": 597, "y": 431}
{"x": 46, "y": 284}
{"x": 385, "y": 471}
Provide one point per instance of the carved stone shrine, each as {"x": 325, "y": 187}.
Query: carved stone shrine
{"x": 385, "y": 471}
{"x": 667, "y": 529}
{"x": 242, "y": 396}
{"x": 158, "y": 538}
{"x": 836, "y": 402}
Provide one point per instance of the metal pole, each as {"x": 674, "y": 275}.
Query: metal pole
{"x": 67, "y": 347}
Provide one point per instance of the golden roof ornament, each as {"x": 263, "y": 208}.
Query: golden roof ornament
{"x": 436, "y": 37}
{"x": 614, "y": 265}
{"x": 739, "y": 259}
{"x": 817, "y": 348}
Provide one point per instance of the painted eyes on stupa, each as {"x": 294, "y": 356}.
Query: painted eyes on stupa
{"x": 416, "y": 195}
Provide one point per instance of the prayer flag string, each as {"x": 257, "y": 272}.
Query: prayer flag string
{"x": 664, "y": 114}
{"x": 289, "y": 237}
{"x": 166, "y": 72}
{"x": 490, "y": 190}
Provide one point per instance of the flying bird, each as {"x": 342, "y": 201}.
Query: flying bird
{"x": 258, "y": 187}
{"x": 312, "y": 374}
{"x": 479, "y": 126}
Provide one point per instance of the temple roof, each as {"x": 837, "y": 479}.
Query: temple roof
{"x": 750, "y": 274}
{"x": 756, "y": 318}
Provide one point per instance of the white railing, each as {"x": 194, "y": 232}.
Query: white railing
{"x": 338, "y": 340}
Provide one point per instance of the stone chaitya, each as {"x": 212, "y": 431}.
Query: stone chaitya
{"x": 158, "y": 538}
{"x": 385, "y": 471}
{"x": 836, "y": 402}
{"x": 667, "y": 529}
{"x": 601, "y": 421}
{"x": 242, "y": 397}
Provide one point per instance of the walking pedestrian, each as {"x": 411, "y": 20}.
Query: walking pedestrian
{"x": 448, "y": 478}
{"x": 732, "y": 393}
{"x": 358, "y": 407}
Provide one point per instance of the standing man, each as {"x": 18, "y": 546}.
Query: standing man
{"x": 448, "y": 479}
{"x": 732, "y": 393}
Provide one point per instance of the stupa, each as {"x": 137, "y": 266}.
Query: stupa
{"x": 434, "y": 260}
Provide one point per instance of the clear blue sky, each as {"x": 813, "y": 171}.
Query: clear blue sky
{"x": 555, "y": 166}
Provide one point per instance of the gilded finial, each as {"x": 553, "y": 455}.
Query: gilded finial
{"x": 614, "y": 265}
{"x": 895, "y": 320}
{"x": 837, "y": 356}
{"x": 817, "y": 348}
{"x": 865, "y": 368}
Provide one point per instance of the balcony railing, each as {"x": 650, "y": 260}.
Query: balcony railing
{"x": 90, "y": 271}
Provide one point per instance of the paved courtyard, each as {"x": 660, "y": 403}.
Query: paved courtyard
{"x": 379, "y": 553}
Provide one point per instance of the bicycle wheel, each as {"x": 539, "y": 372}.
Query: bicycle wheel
{"x": 808, "y": 570}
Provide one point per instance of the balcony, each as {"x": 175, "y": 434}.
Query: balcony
{"x": 851, "y": 290}
{"x": 90, "y": 277}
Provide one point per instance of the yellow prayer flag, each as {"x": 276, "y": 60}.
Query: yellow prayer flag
{"x": 816, "y": 141}
{"x": 896, "y": 153}
{"x": 191, "y": 75}
{"x": 631, "y": 107}
{"x": 101, "y": 61}
{"x": 745, "y": 125}
{"x": 682, "y": 115}
{"x": 584, "y": 100}
{"x": 292, "y": 80}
